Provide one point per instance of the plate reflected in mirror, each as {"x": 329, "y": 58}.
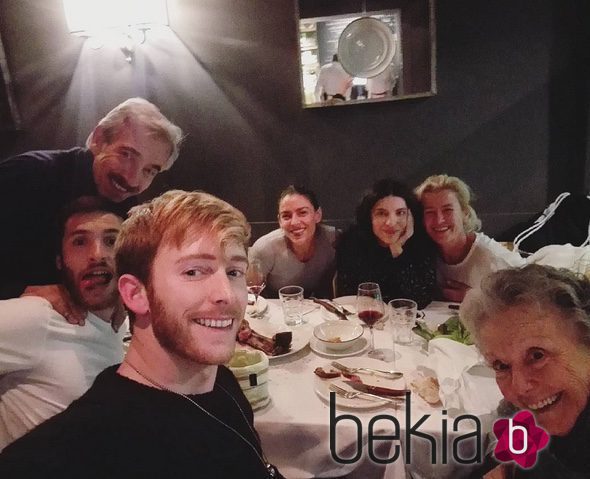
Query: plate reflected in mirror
{"x": 349, "y": 57}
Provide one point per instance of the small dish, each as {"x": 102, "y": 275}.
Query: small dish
{"x": 357, "y": 348}
{"x": 338, "y": 335}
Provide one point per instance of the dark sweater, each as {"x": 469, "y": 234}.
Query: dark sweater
{"x": 122, "y": 429}
{"x": 360, "y": 258}
{"x": 34, "y": 187}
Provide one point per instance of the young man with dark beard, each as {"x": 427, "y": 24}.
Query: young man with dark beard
{"x": 45, "y": 362}
{"x": 171, "y": 409}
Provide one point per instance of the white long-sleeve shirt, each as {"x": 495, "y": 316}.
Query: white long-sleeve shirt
{"x": 46, "y": 363}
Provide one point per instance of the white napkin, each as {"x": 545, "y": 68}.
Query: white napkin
{"x": 466, "y": 383}
{"x": 576, "y": 258}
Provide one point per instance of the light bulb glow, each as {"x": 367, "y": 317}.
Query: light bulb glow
{"x": 86, "y": 16}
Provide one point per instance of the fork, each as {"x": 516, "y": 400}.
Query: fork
{"x": 357, "y": 394}
{"x": 349, "y": 370}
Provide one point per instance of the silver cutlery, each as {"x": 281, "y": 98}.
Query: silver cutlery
{"x": 357, "y": 394}
{"x": 349, "y": 370}
{"x": 340, "y": 308}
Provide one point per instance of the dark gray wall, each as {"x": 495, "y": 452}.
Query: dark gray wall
{"x": 511, "y": 107}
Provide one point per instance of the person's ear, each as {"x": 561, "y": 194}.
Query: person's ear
{"x": 59, "y": 264}
{"x": 134, "y": 294}
{"x": 98, "y": 140}
{"x": 318, "y": 215}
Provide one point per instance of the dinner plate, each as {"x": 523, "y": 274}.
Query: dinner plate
{"x": 349, "y": 302}
{"x": 251, "y": 308}
{"x": 300, "y": 339}
{"x": 322, "y": 386}
{"x": 366, "y": 47}
{"x": 357, "y": 348}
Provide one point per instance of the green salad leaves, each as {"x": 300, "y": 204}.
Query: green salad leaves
{"x": 452, "y": 328}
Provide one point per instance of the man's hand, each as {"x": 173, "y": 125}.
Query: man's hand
{"x": 396, "y": 246}
{"x": 454, "y": 290}
{"x": 60, "y": 300}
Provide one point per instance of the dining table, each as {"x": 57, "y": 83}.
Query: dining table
{"x": 307, "y": 438}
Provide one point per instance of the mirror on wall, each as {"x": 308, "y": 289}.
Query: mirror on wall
{"x": 365, "y": 51}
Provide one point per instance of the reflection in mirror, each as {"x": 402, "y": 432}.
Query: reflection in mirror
{"x": 349, "y": 55}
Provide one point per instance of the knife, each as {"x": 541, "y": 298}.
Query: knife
{"x": 352, "y": 370}
{"x": 377, "y": 390}
{"x": 329, "y": 307}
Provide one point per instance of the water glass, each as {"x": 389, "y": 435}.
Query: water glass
{"x": 403, "y": 319}
{"x": 292, "y": 303}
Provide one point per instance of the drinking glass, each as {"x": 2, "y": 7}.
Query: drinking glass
{"x": 403, "y": 319}
{"x": 370, "y": 310}
{"x": 292, "y": 304}
{"x": 255, "y": 281}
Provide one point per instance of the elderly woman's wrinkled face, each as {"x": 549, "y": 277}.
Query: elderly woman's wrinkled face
{"x": 540, "y": 364}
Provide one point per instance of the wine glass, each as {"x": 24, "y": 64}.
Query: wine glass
{"x": 255, "y": 281}
{"x": 370, "y": 309}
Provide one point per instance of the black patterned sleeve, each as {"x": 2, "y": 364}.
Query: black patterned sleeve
{"x": 418, "y": 279}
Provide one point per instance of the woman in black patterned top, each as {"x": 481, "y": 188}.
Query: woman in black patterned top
{"x": 387, "y": 245}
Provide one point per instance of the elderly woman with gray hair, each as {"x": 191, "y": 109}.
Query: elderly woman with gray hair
{"x": 465, "y": 255}
{"x": 532, "y": 325}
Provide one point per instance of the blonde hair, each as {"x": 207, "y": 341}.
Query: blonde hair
{"x": 170, "y": 219}
{"x": 436, "y": 183}
{"x": 142, "y": 112}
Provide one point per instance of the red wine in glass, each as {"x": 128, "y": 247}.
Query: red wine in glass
{"x": 370, "y": 317}
{"x": 371, "y": 309}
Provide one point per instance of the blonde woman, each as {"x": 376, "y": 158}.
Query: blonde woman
{"x": 465, "y": 255}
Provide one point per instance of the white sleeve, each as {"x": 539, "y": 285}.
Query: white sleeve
{"x": 504, "y": 258}
{"x": 23, "y": 330}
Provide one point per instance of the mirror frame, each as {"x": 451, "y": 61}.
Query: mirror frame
{"x": 418, "y": 32}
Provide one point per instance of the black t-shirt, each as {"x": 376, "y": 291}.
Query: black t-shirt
{"x": 123, "y": 429}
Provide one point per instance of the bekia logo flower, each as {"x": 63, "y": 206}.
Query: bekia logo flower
{"x": 519, "y": 439}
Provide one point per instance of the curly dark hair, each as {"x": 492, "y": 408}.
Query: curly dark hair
{"x": 81, "y": 205}
{"x": 381, "y": 189}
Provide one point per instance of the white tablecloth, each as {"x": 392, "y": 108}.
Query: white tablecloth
{"x": 295, "y": 426}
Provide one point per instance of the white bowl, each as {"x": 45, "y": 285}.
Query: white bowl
{"x": 338, "y": 335}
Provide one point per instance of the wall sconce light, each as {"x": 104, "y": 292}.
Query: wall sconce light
{"x": 125, "y": 21}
